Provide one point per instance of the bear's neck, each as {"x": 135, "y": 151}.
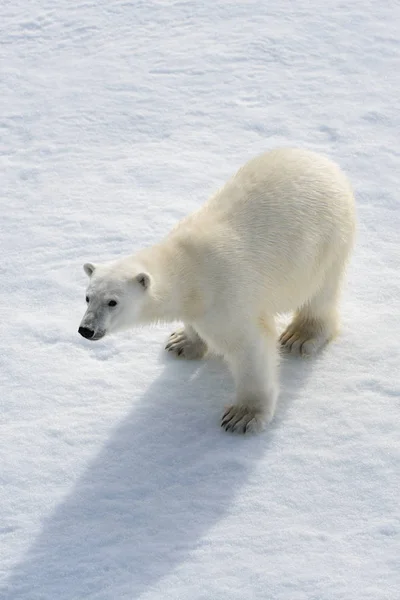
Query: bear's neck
{"x": 174, "y": 294}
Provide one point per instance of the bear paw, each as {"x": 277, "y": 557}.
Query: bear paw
{"x": 181, "y": 344}
{"x": 304, "y": 339}
{"x": 243, "y": 419}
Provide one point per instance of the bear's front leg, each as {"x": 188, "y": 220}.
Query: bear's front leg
{"x": 186, "y": 343}
{"x": 254, "y": 365}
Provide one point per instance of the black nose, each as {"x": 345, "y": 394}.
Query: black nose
{"x": 87, "y": 333}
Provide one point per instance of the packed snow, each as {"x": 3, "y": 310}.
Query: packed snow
{"x": 117, "y": 119}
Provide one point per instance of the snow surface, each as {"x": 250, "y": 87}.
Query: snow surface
{"x": 118, "y": 118}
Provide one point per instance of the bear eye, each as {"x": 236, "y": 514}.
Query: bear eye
{"x": 87, "y": 299}
{"x": 112, "y": 303}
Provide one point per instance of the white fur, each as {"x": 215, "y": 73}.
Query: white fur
{"x": 275, "y": 238}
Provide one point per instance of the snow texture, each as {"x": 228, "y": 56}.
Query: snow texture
{"x": 118, "y": 118}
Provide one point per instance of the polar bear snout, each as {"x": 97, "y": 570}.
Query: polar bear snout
{"x": 86, "y": 332}
{"x": 89, "y": 334}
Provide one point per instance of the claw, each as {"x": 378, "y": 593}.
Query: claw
{"x": 241, "y": 420}
{"x": 226, "y": 419}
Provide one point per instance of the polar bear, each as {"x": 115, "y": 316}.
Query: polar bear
{"x": 276, "y": 238}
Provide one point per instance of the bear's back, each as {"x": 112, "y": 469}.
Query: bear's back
{"x": 283, "y": 218}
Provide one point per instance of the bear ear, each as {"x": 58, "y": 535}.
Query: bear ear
{"x": 144, "y": 280}
{"x": 89, "y": 269}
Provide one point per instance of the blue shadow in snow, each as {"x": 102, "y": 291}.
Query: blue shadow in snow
{"x": 166, "y": 476}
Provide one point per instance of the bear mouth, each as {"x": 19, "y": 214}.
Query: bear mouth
{"x": 97, "y": 336}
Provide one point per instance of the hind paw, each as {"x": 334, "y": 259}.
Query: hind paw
{"x": 304, "y": 338}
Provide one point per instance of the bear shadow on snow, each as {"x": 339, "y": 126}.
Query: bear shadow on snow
{"x": 167, "y": 474}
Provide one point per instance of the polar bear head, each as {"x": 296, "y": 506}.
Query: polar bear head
{"x": 115, "y": 297}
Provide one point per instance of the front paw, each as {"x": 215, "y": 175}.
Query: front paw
{"x": 243, "y": 419}
{"x": 184, "y": 346}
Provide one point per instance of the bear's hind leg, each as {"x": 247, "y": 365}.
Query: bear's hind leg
{"x": 186, "y": 343}
{"x": 317, "y": 321}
